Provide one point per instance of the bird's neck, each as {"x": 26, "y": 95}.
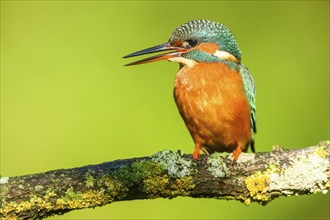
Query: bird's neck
{"x": 200, "y": 56}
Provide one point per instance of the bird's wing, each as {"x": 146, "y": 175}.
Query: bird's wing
{"x": 250, "y": 93}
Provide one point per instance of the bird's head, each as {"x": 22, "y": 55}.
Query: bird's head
{"x": 195, "y": 41}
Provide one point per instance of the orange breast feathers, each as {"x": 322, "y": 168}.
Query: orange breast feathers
{"x": 211, "y": 100}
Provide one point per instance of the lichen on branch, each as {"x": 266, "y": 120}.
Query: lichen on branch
{"x": 258, "y": 177}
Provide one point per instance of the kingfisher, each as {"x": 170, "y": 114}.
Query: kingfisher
{"x": 214, "y": 92}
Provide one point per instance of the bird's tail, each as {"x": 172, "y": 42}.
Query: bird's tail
{"x": 252, "y": 145}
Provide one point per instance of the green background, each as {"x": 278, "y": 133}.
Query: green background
{"x": 68, "y": 101}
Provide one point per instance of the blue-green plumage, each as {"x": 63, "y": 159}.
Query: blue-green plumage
{"x": 250, "y": 92}
{"x": 209, "y": 31}
{"x": 214, "y": 91}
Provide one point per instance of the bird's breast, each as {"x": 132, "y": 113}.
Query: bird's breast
{"x": 211, "y": 100}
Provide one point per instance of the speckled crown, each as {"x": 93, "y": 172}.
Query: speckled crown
{"x": 207, "y": 31}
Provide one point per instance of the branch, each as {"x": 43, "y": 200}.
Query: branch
{"x": 258, "y": 177}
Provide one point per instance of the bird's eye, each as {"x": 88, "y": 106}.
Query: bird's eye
{"x": 189, "y": 43}
{"x": 192, "y": 42}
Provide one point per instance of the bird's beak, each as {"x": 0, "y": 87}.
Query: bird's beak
{"x": 176, "y": 51}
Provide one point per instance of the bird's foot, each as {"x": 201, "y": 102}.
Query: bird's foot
{"x": 237, "y": 152}
{"x": 197, "y": 151}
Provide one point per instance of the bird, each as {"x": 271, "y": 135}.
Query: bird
{"x": 214, "y": 92}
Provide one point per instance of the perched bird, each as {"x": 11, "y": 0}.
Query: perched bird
{"x": 213, "y": 90}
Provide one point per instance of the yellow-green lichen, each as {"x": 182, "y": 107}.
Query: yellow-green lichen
{"x": 108, "y": 188}
{"x": 8, "y": 210}
{"x": 156, "y": 185}
{"x": 89, "y": 180}
{"x": 3, "y": 191}
{"x": 70, "y": 194}
{"x": 136, "y": 175}
{"x": 258, "y": 186}
{"x": 50, "y": 195}
{"x": 321, "y": 151}
{"x": 164, "y": 186}
{"x": 112, "y": 187}
{"x": 247, "y": 201}
{"x": 89, "y": 198}
{"x": 272, "y": 166}
{"x": 153, "y": 178}
{"x": 182, "y": 186}
{"x": 131, "y": 175}
{"x": 327, "y": 185}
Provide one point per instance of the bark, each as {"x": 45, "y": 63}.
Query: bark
{"x": 258, "y": 177}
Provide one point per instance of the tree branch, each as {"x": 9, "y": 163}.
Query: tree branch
{"x": 258, "y": 177}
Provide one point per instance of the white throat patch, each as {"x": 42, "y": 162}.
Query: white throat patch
{"x": 188, "y": 62}
{"x": 223, "y": 55}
